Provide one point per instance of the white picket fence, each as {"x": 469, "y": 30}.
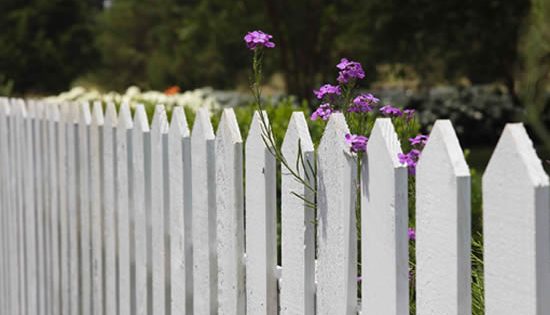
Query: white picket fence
{"x": 104, "y": 214}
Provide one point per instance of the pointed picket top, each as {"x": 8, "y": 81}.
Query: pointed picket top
{"x": 257, "y": 132}
{"x": 125, "y": 116}
{"x": 97, "y": 114}
{"x": 39, "y": 110}
{"x": 384, "y": 216}
{"x": 111, "y": 119}
{"x": 297, "y": 221}
{"x": 443, "y": 143}
{"x": 31, "y": 110}
{"x": 178, "y": 125}
{"x": 5, "y": 107}
{"x": 383, "y": 140}
{"x": 297, "y": 132}
{"x": 85, "y": 116}
{"x": 140, "y": 119}
{"x": 516, "y": 216}
{"x": 515, "y": 152}
{"x": 443, "y": 281}
{"x": 334, "y": 136}
{"x": 202, "y": 128}
{"x": 228, "y": 129}
{"x": 160, "y": 121}
{"x": 336, "y": 230}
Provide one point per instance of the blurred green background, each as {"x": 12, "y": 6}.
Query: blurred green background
{"x": 479, "y": 63}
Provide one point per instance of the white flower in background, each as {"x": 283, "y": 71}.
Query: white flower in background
{"x": 193, "y": 99}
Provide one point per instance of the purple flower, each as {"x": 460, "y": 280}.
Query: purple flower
{"x": 257, "y": 39}
{"x": 409, "y": 113}
{"x": 327, "y": 89}
{"x": 349, "y": 70}
{"x": 363, "y": 103}
{"x": 419, "y": 140}
{"x": 358, "y": 143}
{"x": 410, "y": 159}
{"x": 324, "y": 111}
{"x": 388, "y": 110}
{"x": 412, "y": 234}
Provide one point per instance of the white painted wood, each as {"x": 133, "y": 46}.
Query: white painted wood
{"x": 63, "y": 209}
{"x": 73, "y": 207}
{"x": 443, "y": 225}
{"x": 141, "y": 187}
{"x": 16, "y": 268}
{"x": 109, "y": 208}
{"x": 297, "y": 221}
{"x": 43, "y": 218}
{"x": 32, "y": 201}
{"x": 123, "y": 160}
{"x": 6, "y": 208}
{"x": 20, "y": 165}
{"x": 204, "y": 215}
{"x": 85, "y": 118}
{"x": 178, "y": 138}
{"x": 336, "y": 229}
{"x": 384, "y": 223}
{"x": 230, "y": 215}
{"x": 516, "y": 228}
{"x": 53, "y": 190}
{"x": 96, "y": 165}
{"x": 4, "y": 291}
{"x": 187, "y": 216}
{"x": 261, "y": 221}
{"x": 159, "y": 128}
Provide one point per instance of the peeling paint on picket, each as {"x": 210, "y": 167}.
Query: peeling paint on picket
{"x": 109, "y": 208}
{"x": 205, "y": 260}
{"x": 297, "y": 221}
{"x": 384, "y": 219}
{"x": 230, "y": 215}
{"x": 336, "y": 228}
{"x": 516, "y": 230}
{"x": 159, "y": 131}
{"x": 261, "y": 220}
{"x": 140, "y": 140}
{"x": 443, "y": 273}
{"x": 96, "y": 166}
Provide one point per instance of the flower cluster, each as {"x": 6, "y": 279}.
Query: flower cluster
{"x": 327, "y": 89}
{"x": 363, "y": 103}
{"x": 412, "y": 234}
{"x": 390, "y": 111}
{"x": 358, "y": 143}
{"x": 324, "y": 111}
{"x": 257, "y": 39}
{"x": 349, "y": 70}
{"x": 410, "y": 159}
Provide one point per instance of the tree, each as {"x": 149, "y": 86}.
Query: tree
{"x": 45, "y": 44}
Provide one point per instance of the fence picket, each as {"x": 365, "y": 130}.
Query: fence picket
{"x": 96, "y": 143}
{"x": 159, "y": 130}
{"x": 230, "y": 215}
{"x": 43, "y": 222}
{"x": 297, "y": 221}
{"x": 63, "y": 209}
{"x": 443, "y": 225}
{"x": 384, "y": 219}
{"x": 140, "y": 140}
{"x": 123, "y": 160}
{"x": 336, "y": 230}
{"x": 261, "y": 221}
{"x": 516, "y": 230}
{"x": 109, "y": 204}
{"x": 30, "y": 202}
{"x": 85, "y": 119}
{"x": 18, "y": 269}
{"x": 178, "y": 142}
{"x": 204, "y": 215}
{"x": 6, "y": 209}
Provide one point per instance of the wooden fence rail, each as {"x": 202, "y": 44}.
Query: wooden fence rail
{"x": 102, "y": 213}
